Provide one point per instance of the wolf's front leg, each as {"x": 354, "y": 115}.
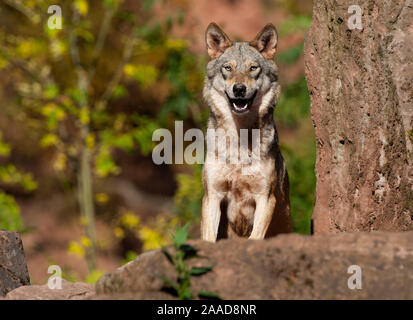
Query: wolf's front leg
{"x": 211, "y": 214}
{"x": 262, "y": 217}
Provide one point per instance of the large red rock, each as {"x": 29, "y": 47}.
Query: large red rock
{"x": 13, "y": 267}
{"x": 69, "y": 291}
{"x": 288, "y": 266}
{"x": 360, "y": 82}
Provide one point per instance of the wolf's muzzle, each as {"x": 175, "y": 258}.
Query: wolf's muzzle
{"x": 240, "y": 105}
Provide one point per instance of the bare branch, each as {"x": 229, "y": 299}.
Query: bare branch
{"x": 82, "y": 78}
{"x": 103, "y": 33}
{"x": 28, "y": 12}
{"x": 127, "y": 54}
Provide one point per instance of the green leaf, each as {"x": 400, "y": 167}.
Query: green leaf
{"x": 4, "y": 148}
{"x": 124, "y": 142}
{"x": 119, "y": 92}
{"x": 200, "y": 271}
{"x": 208, "y": 295}
{"x": 188, "y": 250}
{"x": 181, "y": 235}
{"x": 51, "y": 91}
{"x": 187, "y": 294}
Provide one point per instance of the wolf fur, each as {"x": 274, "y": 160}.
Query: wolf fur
{"x": 241, "y": 89}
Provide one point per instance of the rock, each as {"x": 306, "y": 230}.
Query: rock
{"x": 285, "y": 267}
{"x": 69, "y": 291}
{"x": 360, "y": 82}
{"x": 13, "y": 268}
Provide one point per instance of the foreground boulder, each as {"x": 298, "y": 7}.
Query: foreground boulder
{"x": 286, "y": 267}
{"x": 13, "y": 267}
{"x": 69, "y": 291}
{"x": 360, "y": 83}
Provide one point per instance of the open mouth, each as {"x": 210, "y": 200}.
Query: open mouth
{"x": 241, "y": 105}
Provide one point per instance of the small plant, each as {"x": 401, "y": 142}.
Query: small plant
{"x": 182, "y": 252}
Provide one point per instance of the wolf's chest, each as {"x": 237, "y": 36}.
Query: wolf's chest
{"x": 238, "y": 182}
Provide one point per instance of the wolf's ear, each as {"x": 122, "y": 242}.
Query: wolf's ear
{"x": 216, "y": 40}
{"x": 266, "y": 41}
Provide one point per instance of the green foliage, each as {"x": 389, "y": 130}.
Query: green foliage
{"x": 293, "y": 112}
{"x": 183, "y": 252}
{"x": 294, "y": 104}
{"x": 9, "y": 213}
{"x": 130, "y": 256}
{"x": 143, "y": 131}
{"x": 300, "y": 166}
{"x": 93, "y": 276}
{"x": 188, "y": 196}
{"x": 67, "y": 84}
{"x": 291, "y": 55}
{"x": 186, "y": 84}
{"x": 10, "y": 176}
{"x": 294, "y": 24}
{"x": 4, "y": 148}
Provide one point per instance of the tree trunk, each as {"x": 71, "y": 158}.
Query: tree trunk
{"x": 85, "y": 190}
{"x": 360, "y": 82}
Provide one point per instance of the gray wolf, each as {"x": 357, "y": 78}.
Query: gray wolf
{"x": 241, "y": 89}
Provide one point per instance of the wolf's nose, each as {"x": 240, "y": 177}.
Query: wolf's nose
{"x": 239, "y": 90}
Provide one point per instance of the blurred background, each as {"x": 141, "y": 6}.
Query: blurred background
{"x": 78, "y": 106}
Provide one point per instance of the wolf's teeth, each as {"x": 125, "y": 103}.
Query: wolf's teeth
{"x": 238, "y": 108}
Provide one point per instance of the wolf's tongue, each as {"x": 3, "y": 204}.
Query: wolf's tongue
{"x": 240, "y": 104}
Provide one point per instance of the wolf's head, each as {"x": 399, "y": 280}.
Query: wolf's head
{"x": 241, "y": 76}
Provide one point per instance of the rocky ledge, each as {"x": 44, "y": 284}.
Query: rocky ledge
{"x": 286, "y": 267}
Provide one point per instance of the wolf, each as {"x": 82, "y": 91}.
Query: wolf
{"x": 241, "y": 89}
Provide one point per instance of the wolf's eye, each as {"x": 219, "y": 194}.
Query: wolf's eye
{"x": 228, "y": 68}
{"x": 253, "y": 68}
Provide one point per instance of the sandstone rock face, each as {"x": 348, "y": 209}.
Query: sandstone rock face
{"x": 286, "y": 267}
{"x": 69, "y": 291}
{"x": 13, "y": 268}
{"x": 361, "y": 87}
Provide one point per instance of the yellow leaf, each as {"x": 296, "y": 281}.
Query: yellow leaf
{"x": 82, "y": 6}
{"x": 86, "y": 243}
{"x": 90, "y": 141}
{"x": 102, "y": 198}
{"x": 129, "y": 70}
{"x": 119, "y": 233}
{"x": 60, "y": 162}
{"x": 48, "y": 140}
{"x": 48, "y": 109}
{"x": 152, "y": 239}
{"x": 3, "y": 63}
{"x": 176, "y": 44}
{"x": 76, "y": 249}
{"x": 129, "y": 220}
{"x": 84, "y": 115}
